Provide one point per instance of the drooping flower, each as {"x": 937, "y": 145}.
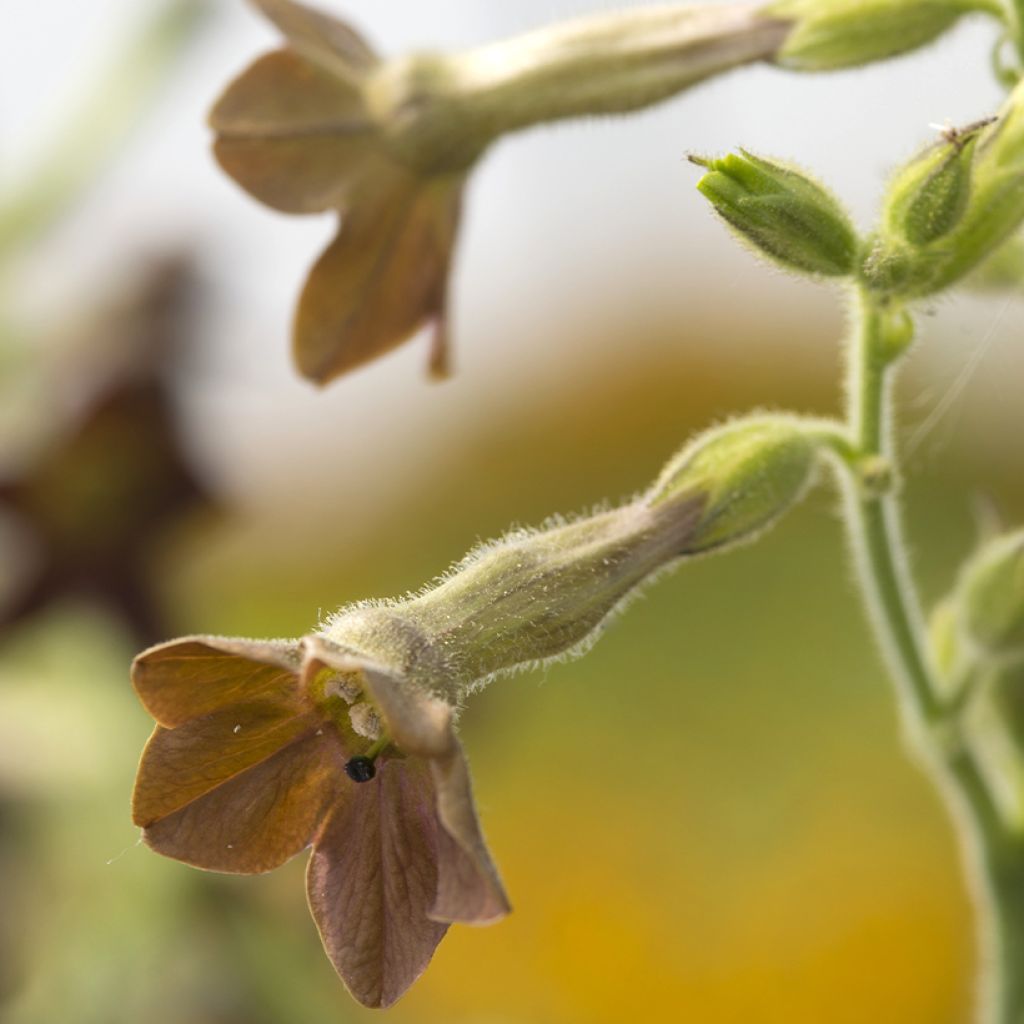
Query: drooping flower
{"x": 298, "y": 132}
{"x": 263, "y": 748}
{"x": 324, "y": 124}
{"x": 344, "y": 740}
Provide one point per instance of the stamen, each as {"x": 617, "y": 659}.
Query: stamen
{"x": 363, "y": 767}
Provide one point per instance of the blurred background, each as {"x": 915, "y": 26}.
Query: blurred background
{"x": 710, "y": 817}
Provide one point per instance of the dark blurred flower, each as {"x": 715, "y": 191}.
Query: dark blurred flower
{"x": 264, "y": 748}
{"x": 94, "y": 503}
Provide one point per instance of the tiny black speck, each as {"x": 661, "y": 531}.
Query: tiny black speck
{"x": 360, "y": 769}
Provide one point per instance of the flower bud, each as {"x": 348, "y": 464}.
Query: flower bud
{"x": 748, "y": 473}
{"x": 929, "y": 195}
{"x": 788, "y": 216}
{"x": 951, "y": 207}
{"x": 537, "y": 595}
{"x": 831, "y": 34}
{"x": 991, "y": 596}
{"x": 994, "y": 733}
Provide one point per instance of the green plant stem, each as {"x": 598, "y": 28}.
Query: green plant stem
{"x": 993, "y": 859}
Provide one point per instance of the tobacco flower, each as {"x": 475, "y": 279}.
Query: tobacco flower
{"x": 261, "y": 749}
{"x": 324, "y": 124}
{"x": 344, "y": 739}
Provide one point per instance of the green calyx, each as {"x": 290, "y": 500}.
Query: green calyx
{"x": 785, "y": 214}
{"x": 991, "y": 596}
{"x": 748, "y": 474}
{"x": 832, "y": 34}
{"x": 951, "y": 208}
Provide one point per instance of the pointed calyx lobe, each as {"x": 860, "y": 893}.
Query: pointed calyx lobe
{"x": 246, "y": 768}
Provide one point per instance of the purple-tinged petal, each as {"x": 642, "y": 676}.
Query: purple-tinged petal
{"x": 260, "y": 818}
{"x": 372, "y": 879}
{"x": 468, "y": 887}
{"x": 195, "y": 676}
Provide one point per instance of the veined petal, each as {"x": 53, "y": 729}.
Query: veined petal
{"x": 371, "y": 881}
{"x": 178, "y": 765}
{"x": 320, "y": 36}
{"x": 195, "y": 676}
{"x": 296, "y": 175}
{"x": 283, "y": 94}
{"x": 468, "y": 887}
{"x": 260, "y": 818}
{"x": 383, "y": 277}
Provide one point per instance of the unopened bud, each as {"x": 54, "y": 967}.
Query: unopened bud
{"x": 748, "y": 473}
{"x": 929, "y": 195}
{"x": 831, "y": 34}
{"x": 991, "y": 596}
{"x": 787, "y": 216}
{"x": 994, "y": 733}
{"x": 951, "y": 207}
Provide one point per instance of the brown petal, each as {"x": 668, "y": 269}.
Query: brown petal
{"x": 371, "y": 881}
{"x": 181, "y": 764}
{"x": 469, "y": 889}
{"x": 468, "y": 886}
{"x": 283, "y": 94}
{"x": 194, "y": 676}
{"x": 260, "y": 818}
{"x": 320, "y": 36}
{"x": 383, "y": 277}
{"x": 292, "y": 134}
{"x": 301, "y": 175}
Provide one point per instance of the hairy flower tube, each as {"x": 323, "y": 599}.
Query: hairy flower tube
{"x": 344, "y": 740}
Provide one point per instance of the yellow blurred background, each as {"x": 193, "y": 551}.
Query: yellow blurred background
{"x": 709, "y": 818}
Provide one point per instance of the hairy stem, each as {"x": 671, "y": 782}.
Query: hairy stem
{"x": 992, "y": 859}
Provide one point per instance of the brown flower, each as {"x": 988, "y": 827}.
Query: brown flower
{"x": 263, "y": 748}
{"x": 296, "y": 130}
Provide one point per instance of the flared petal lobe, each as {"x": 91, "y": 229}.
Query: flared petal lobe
{"x": 469, "y": 889}
{"x": 320, "y": 36}
{"x": 195, "y": 676}
{"x": 372, "y": 880}
{"x": 293, "y": 135}
{"x": 239, "y": 772}
{"x": 383, "y": 277}
{"x": 260, "y": 818}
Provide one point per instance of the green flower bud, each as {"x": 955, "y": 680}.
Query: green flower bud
{"x": 991, "y": 596}
{"x": 784, "y": 213}
{"x": 946, "y": 648}
{"x": 994, "y": 733}
{"x": 831, "y": 34}
{"x": 951, "y": 207}
{"x": 929, "y": 195}
{"x": 749, "y": 473}
{"x": 534, "y": 595}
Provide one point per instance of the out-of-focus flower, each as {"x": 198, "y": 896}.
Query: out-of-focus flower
{"x": 297, "y": 131}
{"x": 94, "y": 503}
{"x": 324, "y": 124}
{"x": 344, "y": 739}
